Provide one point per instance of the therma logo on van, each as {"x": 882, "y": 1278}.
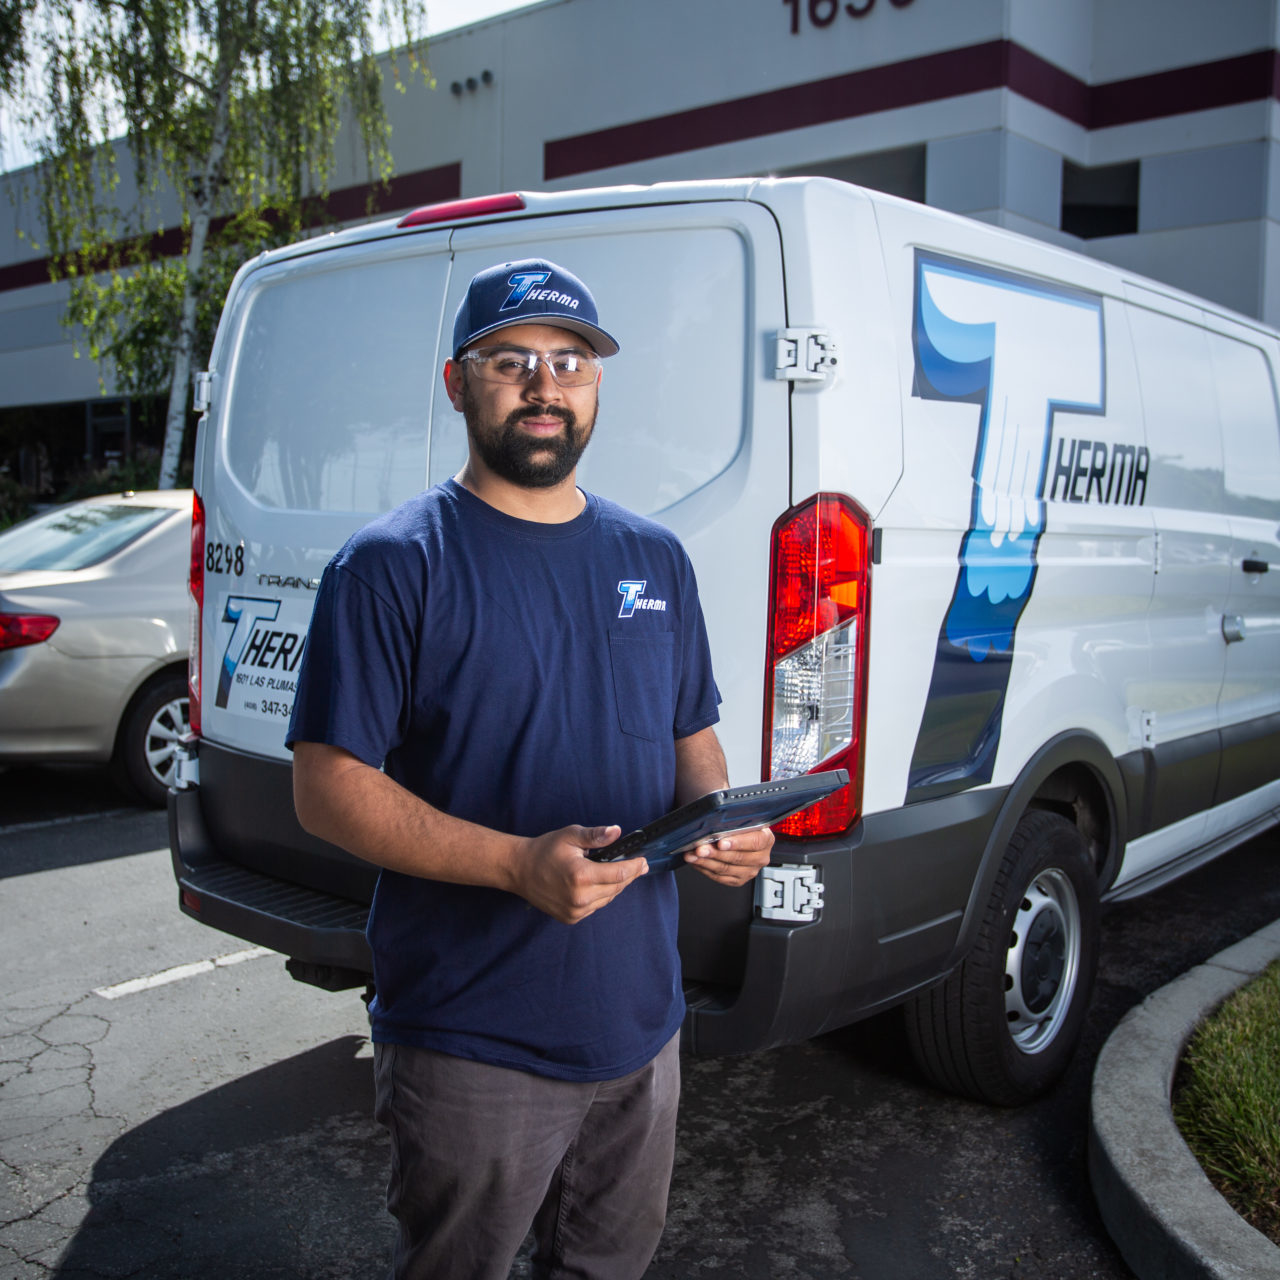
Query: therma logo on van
{"x": 1117, "y": 472}
{"x": 257, "y": 675}
{"x": 1020, "y": 350}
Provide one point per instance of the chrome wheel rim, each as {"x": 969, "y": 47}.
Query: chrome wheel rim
{"x": 165, "y": 730}
{"x": 1042, "y": 965}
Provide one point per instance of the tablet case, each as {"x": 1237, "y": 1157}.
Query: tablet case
{"x": 665, "y": 840}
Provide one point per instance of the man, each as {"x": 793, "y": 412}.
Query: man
{"x": 482, "y": 703}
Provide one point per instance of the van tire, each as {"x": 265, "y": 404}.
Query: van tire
{"x": 976, "y": 1033}
{"x": 144, "y": 759}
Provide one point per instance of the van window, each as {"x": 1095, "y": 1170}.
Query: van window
{"x": 672, "y": 402}
{"x": 332, "y": 374}
{"x": 1250, "y": 432}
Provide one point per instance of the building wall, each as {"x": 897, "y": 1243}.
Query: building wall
{"x": 1149, "y": 125}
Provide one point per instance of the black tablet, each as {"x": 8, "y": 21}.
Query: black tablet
{"x": 664, "y": 841}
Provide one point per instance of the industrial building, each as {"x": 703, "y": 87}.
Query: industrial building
{"x": 1143, "y": 132}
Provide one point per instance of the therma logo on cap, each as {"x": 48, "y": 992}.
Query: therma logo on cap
{"x": 522, "y": 290}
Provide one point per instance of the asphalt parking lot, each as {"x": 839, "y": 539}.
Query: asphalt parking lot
{"x": 219, "y": 1123}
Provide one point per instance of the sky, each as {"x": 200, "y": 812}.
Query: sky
{"x": 442, "y": 15}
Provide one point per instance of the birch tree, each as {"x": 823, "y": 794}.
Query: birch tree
{"x": 215, "y": 117}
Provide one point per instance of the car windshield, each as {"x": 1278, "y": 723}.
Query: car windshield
{"x": 75, "y": 537}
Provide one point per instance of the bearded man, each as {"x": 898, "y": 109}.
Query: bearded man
{"x": 481, "y": 704}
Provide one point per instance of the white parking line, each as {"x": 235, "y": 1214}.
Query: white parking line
{"x": 63, "y": 821}
{"x": 178, "y": 972}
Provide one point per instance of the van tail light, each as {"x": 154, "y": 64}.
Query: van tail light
{"x": 19, "y": 629}
{"x": 456, "y": 210}
{"x": 815, "y": 685}
{"x": 195, "y": 587}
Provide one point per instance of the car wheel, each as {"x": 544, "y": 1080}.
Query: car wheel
{"x": 1004, "y": 1026}
{"x": 146, "y": 753}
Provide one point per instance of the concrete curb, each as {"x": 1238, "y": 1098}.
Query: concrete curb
{"x": 1162, "y": 1211}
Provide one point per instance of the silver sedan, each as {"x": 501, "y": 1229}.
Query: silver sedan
{"x": 94, "y": 623}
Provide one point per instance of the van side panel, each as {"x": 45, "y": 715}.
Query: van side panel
{"x": 998, "y": 584}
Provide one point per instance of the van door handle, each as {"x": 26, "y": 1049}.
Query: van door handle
{"x": 1255, "y": 566}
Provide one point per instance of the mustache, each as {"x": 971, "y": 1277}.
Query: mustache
{"x": 567, "y": 416}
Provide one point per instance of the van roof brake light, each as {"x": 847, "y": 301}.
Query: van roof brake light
{"x": 456, "y": 210}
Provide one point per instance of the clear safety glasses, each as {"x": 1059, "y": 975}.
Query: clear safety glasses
{"x": 517, "y": 365}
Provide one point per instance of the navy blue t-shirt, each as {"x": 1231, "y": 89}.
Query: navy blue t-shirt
{"x": 523, "y": 676}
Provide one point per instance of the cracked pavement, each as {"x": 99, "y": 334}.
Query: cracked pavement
{"x": 152, "y": 1135}
{"x": 221, "y": 1126}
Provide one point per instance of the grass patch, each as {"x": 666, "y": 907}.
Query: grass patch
{"x": 1228, "y": 1101}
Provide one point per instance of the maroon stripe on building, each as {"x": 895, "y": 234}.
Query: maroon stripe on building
{"x": 1252, "y": 77}
{"x": 857, "y": 93}
{"x": 1030, "y": 76}
{"x": 348, "y": 204}
{"x": 996, "y": 64}
{"x": 404, "y": 191}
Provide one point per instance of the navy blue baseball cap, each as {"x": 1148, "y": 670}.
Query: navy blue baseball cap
{"x": 531, "y": 291}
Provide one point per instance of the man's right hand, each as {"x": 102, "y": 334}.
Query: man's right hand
{"x": 359, "y": 808}
{"x": 553, "y": 872}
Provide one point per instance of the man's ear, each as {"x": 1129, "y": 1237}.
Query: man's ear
{"x": 453, "y": 383}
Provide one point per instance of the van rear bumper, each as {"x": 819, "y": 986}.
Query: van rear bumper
{"x": 323, "y": 931}
{"x": 896, "y": 891}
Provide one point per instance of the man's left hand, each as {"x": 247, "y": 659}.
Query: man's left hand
{"x": 736, "y": 859}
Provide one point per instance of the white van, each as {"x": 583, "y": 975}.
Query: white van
{"x": 989, "y": 524}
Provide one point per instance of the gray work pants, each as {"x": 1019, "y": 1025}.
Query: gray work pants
{"x": 481, "y": 1153}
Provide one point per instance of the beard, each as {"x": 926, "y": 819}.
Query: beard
{"x": 533, "y": 462}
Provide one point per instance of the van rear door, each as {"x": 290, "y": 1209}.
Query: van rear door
{"x": 693, "y": 431}
{"x": 326, "y": 364}
{"x": 693, "y": 427}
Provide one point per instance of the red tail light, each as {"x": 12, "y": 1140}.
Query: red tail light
{"x": 18, "y": 629}
{"x": 456, "y": 210}
{"x": 195, "y": 585}
{"x": 815, "y": 685}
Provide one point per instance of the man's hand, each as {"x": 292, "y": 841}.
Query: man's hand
{"x": 553, "y": 872}
{"x": 736, "y": 859}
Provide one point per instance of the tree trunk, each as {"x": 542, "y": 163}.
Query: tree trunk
{"x": 201, "y": 215}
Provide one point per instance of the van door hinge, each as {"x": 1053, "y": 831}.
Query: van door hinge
{"x": 789, "y": 893}
{"x": 186, "y": 771}
{"x": 202, "y": 393}
{"x": 804, "y": 355}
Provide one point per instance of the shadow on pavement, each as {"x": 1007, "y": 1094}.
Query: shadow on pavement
{"x": 278, "y": 1174}
{"x": 78, "y": 841}
{"x": 36, "y": 793}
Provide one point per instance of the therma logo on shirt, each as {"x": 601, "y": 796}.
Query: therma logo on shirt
{"x": 633, "y": 598}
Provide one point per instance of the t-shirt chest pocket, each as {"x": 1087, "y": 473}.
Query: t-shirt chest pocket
{"x": 644, "y": 683}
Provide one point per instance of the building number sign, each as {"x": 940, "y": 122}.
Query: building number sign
{"x": 822, "y": 13}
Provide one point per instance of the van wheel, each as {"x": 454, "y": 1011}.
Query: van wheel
{"x": 146, "y": 749}
{"x": 1004, "y": 1026}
